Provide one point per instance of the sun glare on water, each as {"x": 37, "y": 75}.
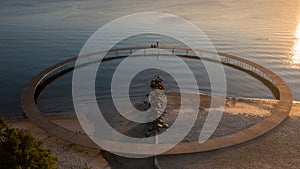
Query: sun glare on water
{"x": 296, "y": 49}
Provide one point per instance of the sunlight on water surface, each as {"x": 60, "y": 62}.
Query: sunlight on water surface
{"x": 295, "y": 61}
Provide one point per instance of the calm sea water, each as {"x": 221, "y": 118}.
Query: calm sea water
{"x": 35, "y": 35}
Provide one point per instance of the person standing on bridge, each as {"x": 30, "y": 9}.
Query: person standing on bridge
{"x": 157, "y": 43}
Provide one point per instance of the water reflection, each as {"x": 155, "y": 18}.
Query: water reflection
{"x": 295, "y": 60}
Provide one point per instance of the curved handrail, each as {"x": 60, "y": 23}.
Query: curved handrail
{"x": 36, "y": 85}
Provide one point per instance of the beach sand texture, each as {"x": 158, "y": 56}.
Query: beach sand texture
{"x": 278, "y": 149}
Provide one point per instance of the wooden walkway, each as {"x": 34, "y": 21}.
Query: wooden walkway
{"x": 38, "y": 83}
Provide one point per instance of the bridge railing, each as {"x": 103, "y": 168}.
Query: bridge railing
{"x": 172, "y": 50}
{"x": 280, "y": 112}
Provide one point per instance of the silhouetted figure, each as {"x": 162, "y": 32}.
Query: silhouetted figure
{"x": 157, "y": 43}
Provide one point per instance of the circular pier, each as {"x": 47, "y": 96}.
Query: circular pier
{"x": 279, "y": 88}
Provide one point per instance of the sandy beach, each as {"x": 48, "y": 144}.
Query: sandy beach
{"x": 278, "y": 149}
{"x": 249, "y": 50}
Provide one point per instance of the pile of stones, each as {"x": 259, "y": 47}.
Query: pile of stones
{"x": 156, "y": 107}
{"x": 157, "y": 83}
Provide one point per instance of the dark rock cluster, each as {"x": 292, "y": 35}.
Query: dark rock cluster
{"x": 156, "y": 126}
{"x": 157, "y": 83}
{"x": 156, "y": 106}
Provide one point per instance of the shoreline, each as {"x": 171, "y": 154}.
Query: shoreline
{"x": 281, "y": 139}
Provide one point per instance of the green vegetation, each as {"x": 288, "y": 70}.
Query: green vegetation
{"x": 20, "y": 150}
{"x": 86, "y": 166}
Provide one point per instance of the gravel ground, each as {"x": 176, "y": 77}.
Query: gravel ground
{"x": 237, "y": 116}
{"x": 279, "y": 148}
